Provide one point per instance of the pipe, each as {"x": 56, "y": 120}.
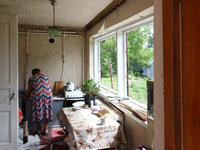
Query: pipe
{"x": 38, "y": 31}
{"x": 63, "y": 33}
{"x": 26, "y": 59}
{"x": 46, "y": 31}
{"x": 66, "y": 34}
{"x": 82, "y": 50}
{"x": 63, "y": 56}
{"x": 22, "y": 37}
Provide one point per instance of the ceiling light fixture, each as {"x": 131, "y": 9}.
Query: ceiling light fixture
{"x": 53, "y": 31}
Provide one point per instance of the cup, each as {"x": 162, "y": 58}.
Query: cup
{"x": 103, "y": 120}
{"x": 91, "y": 103}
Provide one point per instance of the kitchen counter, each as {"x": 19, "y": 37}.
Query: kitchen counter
{"x": 58, "y": 98}
{"x": 57, "y": 105}
{"x": 54, "y": 98}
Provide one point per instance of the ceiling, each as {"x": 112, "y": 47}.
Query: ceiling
{"x": 68, "y": 13}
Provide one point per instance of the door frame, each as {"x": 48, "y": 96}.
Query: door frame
{"x": 10, "y": 106}
{"x": 172, "y": 74}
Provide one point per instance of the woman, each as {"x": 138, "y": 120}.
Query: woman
{"x": 42, "y": 109}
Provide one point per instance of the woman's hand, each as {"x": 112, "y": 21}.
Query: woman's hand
{"x": 28, "y": 95}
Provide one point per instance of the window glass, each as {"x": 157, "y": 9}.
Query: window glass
{"x": 140, "y": 62}
{"x": 109, "y": 63}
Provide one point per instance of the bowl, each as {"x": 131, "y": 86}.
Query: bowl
{"x": 78, "y": 104}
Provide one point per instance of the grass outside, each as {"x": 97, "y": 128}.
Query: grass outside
{"x": 137, "y": 87}
{"x": 107, "y": 82}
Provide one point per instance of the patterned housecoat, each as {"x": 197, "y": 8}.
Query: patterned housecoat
{"x": 42, "y": 98}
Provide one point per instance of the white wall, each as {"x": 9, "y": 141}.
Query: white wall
{"x": 135, "y": 131}
{"x": 48, "y": 57}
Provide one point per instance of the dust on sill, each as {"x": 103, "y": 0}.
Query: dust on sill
{"x": 111, "y": 97}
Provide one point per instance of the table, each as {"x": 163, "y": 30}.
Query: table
{"x": 86, "y": 132}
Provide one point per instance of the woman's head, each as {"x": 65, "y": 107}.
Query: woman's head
{"x": 35, "y": 71}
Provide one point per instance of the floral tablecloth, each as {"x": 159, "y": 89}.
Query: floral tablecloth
{"x": 86, "y": 132}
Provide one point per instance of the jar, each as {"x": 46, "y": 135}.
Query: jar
{"x": 56, "y": 91}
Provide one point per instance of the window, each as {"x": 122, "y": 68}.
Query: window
{"x": 106, "y": 62}
{"x": 140, "y": 62}
{"x": 134, "y": 59}
{"x": 109, "y": 63}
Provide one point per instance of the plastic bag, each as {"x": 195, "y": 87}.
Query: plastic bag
{"x": 32, "y": 144}
{"x": 20, "y": 133}
{"x": 20, "y": 115}
{"x": 32, "y": 141}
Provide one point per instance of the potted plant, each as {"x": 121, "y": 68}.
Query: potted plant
{"x": 89, "y": 88}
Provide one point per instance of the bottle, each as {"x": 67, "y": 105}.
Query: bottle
{"x": 56, "y": 91}
{"x": 140, "y": 147}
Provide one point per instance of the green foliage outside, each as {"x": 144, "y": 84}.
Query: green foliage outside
{"x": 138, "y": 89}
{"x": 140, "y": 52}
{"x": 140, "y": 49}
{"x": 108, "y": 55}
{"x": 106, "y": 81}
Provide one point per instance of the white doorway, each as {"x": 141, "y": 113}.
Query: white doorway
{"x": 8, "y": 81}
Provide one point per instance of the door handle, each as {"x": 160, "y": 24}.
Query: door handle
{"x": 12, "y": 96}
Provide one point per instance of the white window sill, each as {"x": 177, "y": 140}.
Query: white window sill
{"x": 112, "y": 98}
{"x": 111, "y": 95}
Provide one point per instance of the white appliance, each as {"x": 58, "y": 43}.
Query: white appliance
{"x": 69, "y": 86}
{"x": 71, "y": 97}
{"x": 73, "y": 94}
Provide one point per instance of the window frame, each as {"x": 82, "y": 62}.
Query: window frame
{"x": 97, "y": 57}
{"x": 120, "y": 34}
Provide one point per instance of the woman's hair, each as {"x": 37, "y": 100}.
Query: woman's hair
{"x": 35, "y": 71}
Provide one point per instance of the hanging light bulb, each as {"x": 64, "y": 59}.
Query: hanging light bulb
{"x": 53, "y": 31}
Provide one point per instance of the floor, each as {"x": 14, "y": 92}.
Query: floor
{"x": 54, "y": 134}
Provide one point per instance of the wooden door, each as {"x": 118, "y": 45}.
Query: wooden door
{"x": 190, "y": 27}
{"x": 181, "y": 57}
{"x": 8, "y": 82}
